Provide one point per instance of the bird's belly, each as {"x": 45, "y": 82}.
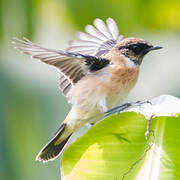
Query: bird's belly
{"x": 115, "y": 100}
{"x": 93, "y": 92}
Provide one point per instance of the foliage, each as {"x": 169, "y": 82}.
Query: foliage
{"x": 153, "y": 15}
{"x": 116, "y": 148}
{"x": 25, "y": 16}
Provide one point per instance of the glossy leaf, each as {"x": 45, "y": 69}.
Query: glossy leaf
{"x": 116, "y": 148}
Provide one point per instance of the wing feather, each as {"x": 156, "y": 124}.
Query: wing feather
{"x": 68, "y": 64}
{"x": 82, "y": 48}
{"x": 96, "y": 40}
{"x": 90, "y": 45}
{"x": 83, "y": 42}
{"x": 101, "y": 26}
{"x": 72, "y": 66}
{"x": 87, "y": 37}
{"x": 113, "y": 29}
{"x": 94, "y": 32}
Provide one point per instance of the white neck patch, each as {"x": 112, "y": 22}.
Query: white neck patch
{"x": 129, "y": 63}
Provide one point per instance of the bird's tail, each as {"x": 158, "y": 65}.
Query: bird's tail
{"x": 55, "y": 146}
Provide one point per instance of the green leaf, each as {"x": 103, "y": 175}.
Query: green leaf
{"x": 162, "y": 162}
{"x": 116, "y": 148}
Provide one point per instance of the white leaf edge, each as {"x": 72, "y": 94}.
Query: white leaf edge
{"x": 164, "y": 105}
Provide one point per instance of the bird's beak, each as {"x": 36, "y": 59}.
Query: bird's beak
{"x": 154, "y": 48}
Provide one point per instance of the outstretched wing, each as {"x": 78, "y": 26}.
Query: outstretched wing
{"x": 97, "y": 40}
{"x": 72, "y": 66}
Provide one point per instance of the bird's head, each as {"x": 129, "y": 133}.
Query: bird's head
{"x": 134, "y": 49}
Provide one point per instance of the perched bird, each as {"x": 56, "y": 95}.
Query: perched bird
{"x": 97, "y": 71}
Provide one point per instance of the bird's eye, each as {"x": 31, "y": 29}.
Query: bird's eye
{"x": 136, "y": 49}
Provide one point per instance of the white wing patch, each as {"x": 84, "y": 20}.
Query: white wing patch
{"x": 97, "y": 39}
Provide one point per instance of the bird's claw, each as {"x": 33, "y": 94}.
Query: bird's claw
{"x": 139, "y": 103}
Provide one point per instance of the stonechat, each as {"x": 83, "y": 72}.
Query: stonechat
{"x": 97, "y": 71}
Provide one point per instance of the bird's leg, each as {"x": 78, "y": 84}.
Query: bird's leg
{"x": 124, "y": 106}
{"x": 118, "y": 109}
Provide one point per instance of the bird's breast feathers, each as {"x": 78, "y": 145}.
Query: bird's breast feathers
{"x": 112, "y": 83}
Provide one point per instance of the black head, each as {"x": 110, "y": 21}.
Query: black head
{"x": 135, "y": 49}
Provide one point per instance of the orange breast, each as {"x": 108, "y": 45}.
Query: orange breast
{"x": 123, "y": 78}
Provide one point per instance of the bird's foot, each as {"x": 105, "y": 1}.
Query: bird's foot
{"x": 124, "y": 106}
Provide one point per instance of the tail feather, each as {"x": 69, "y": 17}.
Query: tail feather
{"x": 55, "y": 146}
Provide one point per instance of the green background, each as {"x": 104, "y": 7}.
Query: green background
{"x": 31, "y": 106}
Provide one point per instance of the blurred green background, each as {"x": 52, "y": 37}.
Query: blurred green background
{"x": 31, "y": 105}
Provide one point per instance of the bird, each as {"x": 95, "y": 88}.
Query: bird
{"x": 97, "y": 72}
